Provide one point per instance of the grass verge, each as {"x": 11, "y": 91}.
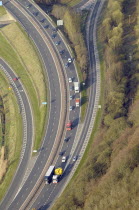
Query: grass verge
{"x": 13, "y": 133}
{"x": 97, "y": 120}
{"x": 96, "y": 124}
{"x": 23, "y": 59}
{"x": 2, "y": 11}
{"x": 28, "y": 67}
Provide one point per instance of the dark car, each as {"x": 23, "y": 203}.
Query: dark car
{"x": 54, "y": 29}
{"x": 61, "y": 52}
{"x": 66, "y": 65}
{"x": 42, "y": 21}
{"x": 61, "y": 153}
{"x": 35, "y": 13}
{"x": 66, "y": 139}
{"x": 57, "y": 43}
{"x": 47, "y": 26}
{"x": 71, "y": 88}
{"x": 28, "y": 6}
{"x": 53, "y": 36}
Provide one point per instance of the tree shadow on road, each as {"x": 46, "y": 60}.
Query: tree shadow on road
{"x": 44, "y": 207}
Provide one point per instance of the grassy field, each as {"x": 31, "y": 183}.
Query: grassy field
{"x": 13, "y": 134}
{"x": 28, "y": 67}
{"x": 2, "y": 11}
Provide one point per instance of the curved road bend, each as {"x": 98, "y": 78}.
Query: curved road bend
{"x": 47, "y": 196}
{"x": 51, "y": 132}
{"x": 25, "y": 110}
{"x": 54, "y": 111}
{"x": 46, "y": 199}
{"x": 49, "y": 193}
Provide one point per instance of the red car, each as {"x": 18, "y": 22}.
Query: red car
{"x": 15, "y": 78}
{"x": 69, "y": 126}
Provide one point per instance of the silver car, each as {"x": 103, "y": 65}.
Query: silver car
{"x": 74, "y": 158}
{"x": 70, "y": 98}
{"x": 70, "y": 108}
{"x": 70, "y": 80}
{"x": 63, "y": 159}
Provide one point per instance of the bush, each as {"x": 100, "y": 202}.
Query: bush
{"x": 72, "y": 27}
{"x": 99, "y": 169}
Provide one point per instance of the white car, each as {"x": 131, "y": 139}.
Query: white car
{"x": 70, "y": 80}
{"x": 69, "y": 60}
{"x": 63, "y": 159}
{"x": 74, "y": 158}
{"x": 70, "y": 109}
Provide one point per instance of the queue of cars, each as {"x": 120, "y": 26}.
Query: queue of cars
{"x": 69, "y": 125}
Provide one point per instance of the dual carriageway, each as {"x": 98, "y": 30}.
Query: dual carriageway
{"x": 34, "y": 192}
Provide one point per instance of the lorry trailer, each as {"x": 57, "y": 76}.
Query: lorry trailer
{"x": 49, "y": 174}
{"x": 76, "y": 87}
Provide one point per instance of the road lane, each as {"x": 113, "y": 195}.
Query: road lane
{"x": 70, "y": 68}
{"x": 25, "y": 110}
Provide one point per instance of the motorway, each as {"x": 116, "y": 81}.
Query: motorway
{"x": 55, "y": 105}
{"x": 47, "y": 193}
{"x": 25, "y": 111}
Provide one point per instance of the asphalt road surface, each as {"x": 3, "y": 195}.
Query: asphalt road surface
{"x": 49, "y": 192}
{"x": 55, "y": 109}
{"x": 25, "y": 111}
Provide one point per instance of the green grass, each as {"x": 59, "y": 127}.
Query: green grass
{"x": 96, "y": 124}
{"x": 16, "y": 61}
{"x": 2, "y": 11}
{"x": 73, "y": 3}
{"x": 13, "y": 137}
{"x": 26, "y": 65}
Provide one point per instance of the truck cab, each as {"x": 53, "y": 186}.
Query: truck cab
{"x": 69, "y": 126}
{"x": 77, "y": 102}
{"x": 56, "y": 179}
